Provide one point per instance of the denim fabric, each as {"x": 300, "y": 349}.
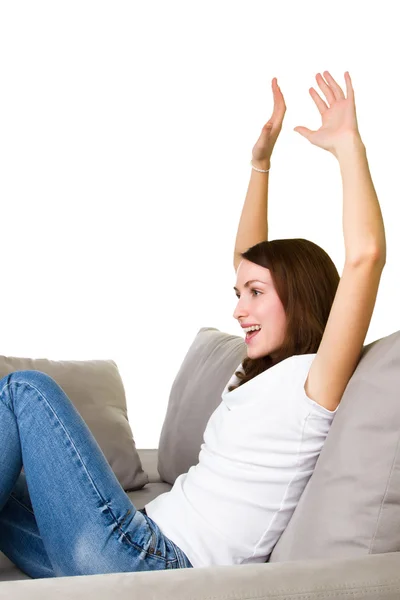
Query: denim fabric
{"x": 66, "y": 513}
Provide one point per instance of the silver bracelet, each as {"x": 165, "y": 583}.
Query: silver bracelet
{"x": 259, "y": 170}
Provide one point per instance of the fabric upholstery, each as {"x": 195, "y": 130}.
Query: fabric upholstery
{"x": 351, "y": 505}
{"x": 195, "y": 394}
{"x": 95, "y": 387}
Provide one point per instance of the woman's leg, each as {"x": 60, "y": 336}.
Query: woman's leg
{"x": 86, "y": 521}
{"x": 19, "y": 534}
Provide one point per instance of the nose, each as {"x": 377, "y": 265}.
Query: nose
{"x": 240, "y": 310}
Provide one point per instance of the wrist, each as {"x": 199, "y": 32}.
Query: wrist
{"x": 348, "y": 144}
{"x": 261, "y": 164}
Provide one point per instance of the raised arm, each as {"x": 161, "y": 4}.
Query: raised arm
{"x": 253, "y": 224}
{"x": 365, "y": 244}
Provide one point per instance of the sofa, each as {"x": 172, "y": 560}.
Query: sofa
{"x": 343, "y": 539}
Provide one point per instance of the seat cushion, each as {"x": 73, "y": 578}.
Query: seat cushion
{"x": 155, "y": 487}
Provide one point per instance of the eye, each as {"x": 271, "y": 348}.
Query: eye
{"x": 252, "y": 290}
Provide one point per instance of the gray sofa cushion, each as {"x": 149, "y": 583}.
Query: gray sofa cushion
{"x": 95, "y": 387}
{"x": 195, "y": 394}
{"x": 351, "y": 505}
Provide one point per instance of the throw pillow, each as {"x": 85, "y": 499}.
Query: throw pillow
{"x": 195, "y": 394}
{"x": 351, "y": 505}
{"x": 95, "y": 387}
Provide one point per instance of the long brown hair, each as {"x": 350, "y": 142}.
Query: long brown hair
{"x": 306, "y": 280}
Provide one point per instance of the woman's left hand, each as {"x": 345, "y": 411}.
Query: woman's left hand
{"x": 262, "y": 149}
{"x": 338, "y": 120}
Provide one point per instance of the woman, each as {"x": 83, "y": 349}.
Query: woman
{"x": 233, "y": 506}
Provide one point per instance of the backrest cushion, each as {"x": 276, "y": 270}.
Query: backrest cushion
{"x": 351, "y": 504}
{"x": 95, "y": 388}
{"x": 195, "y": 394}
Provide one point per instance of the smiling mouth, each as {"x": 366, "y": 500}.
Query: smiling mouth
{"x": 251, "y": 335}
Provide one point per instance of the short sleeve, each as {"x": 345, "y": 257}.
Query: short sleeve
{"x": 316, "y": 408}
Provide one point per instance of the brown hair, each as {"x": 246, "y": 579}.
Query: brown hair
{"x": 306, "y": 280}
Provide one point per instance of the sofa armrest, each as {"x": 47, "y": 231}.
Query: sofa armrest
{"x": 369, "y": 577}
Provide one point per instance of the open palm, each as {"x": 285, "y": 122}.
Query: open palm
{"x": 338, "y": 119}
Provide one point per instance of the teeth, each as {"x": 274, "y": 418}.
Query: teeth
{"x": 252, "y": 328}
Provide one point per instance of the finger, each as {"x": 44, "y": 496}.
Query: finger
{"x": 349, "y": 86}
{"x": 279, "y": 106}
{"x": 278, "y": 96}
{"x": 322, "y": 107}
{"x": 325, "y": 88}
{"x": 307, "y": 133}
{"x": 337, "y": 90}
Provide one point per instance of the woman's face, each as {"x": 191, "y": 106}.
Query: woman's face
{"x": 259, "y": 304}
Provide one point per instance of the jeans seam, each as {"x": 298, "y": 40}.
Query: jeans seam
{"x": 21, "y": 504}
{"x": 154, "y": 541}
{"x": 134, "y": 544}
{"x": 178, "y": 558}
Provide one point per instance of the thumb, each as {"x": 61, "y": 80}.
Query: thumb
{"x": 307, "y": 133}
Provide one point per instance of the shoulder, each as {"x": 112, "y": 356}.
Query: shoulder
{"x": 292, "y": 374}
{"x": 304, "y": 364}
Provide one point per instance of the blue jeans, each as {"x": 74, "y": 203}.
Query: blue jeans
{"x": 76, "y": 519}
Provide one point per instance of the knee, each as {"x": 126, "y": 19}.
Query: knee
{"x": 29, "y": 376}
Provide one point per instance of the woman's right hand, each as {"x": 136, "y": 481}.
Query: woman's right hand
{"x": 339, "y": 119}
{"x": 269, "y": 134}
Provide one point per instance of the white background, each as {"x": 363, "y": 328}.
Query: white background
{"x": 126, "y": 130}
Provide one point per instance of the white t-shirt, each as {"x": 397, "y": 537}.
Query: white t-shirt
{"x": 260, "y": 448}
